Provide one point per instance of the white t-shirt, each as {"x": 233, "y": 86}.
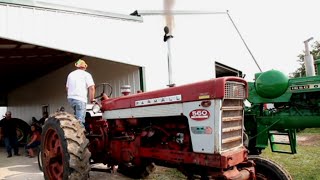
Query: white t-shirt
{"x": 78, "y": 82}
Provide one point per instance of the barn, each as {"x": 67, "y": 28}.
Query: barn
{"x": 35, "y": 61}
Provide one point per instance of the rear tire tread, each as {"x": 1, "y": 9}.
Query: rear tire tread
{"x": 76, "y": 141}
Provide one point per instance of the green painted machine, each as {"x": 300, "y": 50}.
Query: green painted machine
{"x": 295, "y": 105}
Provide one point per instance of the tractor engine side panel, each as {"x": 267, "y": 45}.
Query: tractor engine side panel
{"x": 217, "y": 128}
{"x": 201, "y": 120}
{"x": 202, "y": 125}
{"x": 221, "y": 129}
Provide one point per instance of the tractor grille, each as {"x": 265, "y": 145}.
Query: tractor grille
{"x": 232, "y": 115}
{"x": 234, "y": 90}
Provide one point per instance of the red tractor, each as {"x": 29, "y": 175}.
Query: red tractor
{"x": 196, "y": 128}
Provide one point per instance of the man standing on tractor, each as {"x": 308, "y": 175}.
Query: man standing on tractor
{"x": 8, "y": 128}
{"x": 78, "y": 83}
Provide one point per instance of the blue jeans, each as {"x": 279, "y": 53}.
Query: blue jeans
{"x": 33, "y": 145}
{"x": 79, "y": 108}
{"x": 11, "y": 142}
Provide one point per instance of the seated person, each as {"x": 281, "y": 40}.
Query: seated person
{"x": 35, "y": 140}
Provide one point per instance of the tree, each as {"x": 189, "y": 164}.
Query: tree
{"x": 315, "y": 51}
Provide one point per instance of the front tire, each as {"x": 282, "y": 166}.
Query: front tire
{"x": 64, "y": 148}
{"x": 40, "y": 161}
{"x": 267, "y": 169}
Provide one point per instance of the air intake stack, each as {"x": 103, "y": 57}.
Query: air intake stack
{"x": 308, "y": 59}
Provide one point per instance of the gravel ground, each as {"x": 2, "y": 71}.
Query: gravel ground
{"x": 301, "y": 139}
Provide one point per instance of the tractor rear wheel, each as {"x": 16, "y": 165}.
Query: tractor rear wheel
{"x": 267, "y": 169}
{"x": 64, "y": 151}
{"x": 23, "y": 130}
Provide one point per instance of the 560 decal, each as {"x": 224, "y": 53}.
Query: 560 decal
{"x": 199, "y": 114}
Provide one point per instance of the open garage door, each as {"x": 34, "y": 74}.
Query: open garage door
{"x": 222, "y": 70}
{"x": 21, "y": 63}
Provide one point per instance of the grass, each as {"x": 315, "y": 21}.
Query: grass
{"x": 163, "y": 173}
{"x": 305, "y": 164}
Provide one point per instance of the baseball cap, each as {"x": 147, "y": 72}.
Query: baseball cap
{"x": 81, "y": 64}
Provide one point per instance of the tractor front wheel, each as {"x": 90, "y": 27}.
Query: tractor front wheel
{"x": 40, "y": 161}
{"x": 267, "y": 169}
{"x": 64, "y": 151}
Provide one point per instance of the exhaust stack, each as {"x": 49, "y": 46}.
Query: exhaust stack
{"x": 308, "y": 59}
{"x": 166, "y": 38}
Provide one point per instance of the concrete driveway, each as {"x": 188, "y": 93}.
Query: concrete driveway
{"x": 25, "y": 168}
{"x": 18, "y": 167}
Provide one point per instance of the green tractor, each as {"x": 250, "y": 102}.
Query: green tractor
{"x": 295, "y": 105}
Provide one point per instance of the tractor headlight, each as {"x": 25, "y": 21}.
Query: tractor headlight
{"x": 96, "y": 108}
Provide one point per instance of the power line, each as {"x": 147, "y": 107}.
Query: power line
{"x": 234, "y": 25}
{"x": 166, "y": 12}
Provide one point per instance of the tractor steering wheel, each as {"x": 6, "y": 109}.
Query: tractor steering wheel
{"x": 103, "y": 88}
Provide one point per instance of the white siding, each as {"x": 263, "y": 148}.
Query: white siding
{"x": 3, "y": 111}
{"x": 72, "y": 32}
{"x": 26, "y": 102}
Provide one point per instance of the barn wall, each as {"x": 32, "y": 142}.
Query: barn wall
{"x": 27, "y": 101}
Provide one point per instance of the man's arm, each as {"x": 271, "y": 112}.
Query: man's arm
{"x": 92, "y": 91}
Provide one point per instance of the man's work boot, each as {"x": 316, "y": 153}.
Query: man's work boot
{"x": 9, "y": 155}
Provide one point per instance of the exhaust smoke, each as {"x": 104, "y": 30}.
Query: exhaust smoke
{"x": 167, "y": 6}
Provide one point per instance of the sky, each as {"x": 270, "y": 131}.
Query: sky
{"x": 273, "y": 30}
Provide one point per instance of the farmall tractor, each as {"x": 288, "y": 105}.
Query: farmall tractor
{"x": 202, "y": 129}
{"x": 196, "y": 128}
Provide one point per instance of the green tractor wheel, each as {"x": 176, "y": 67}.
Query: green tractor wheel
{"x": 267, "y": 169}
